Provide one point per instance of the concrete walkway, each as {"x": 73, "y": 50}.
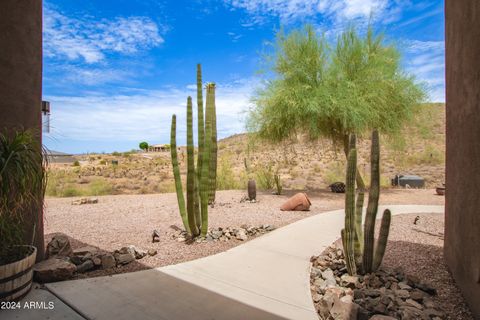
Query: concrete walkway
{"x": 266, "y": 278}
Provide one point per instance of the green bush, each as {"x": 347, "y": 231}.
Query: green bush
{"x": 335, "y": 172}
{"x": 265, "y": 177}
{"x": 76, "y": 164}
{"x": 226, "y": 179}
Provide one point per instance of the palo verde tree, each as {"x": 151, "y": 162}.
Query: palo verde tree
{"x": 353, "y": 86}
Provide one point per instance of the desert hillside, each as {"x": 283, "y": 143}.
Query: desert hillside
{"x": 301, "y": 165}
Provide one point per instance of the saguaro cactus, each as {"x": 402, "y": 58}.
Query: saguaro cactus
{"x": 360, "y": 253}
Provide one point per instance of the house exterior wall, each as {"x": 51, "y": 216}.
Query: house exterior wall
{"x": 462, "y": 216}
{"x": 21, "y": 75}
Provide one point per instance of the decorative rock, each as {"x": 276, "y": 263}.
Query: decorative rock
{"x": 402, "y": 294}
{"x": 124, "y": 258}
{"x": 53, "y": 269}
{"x": 85, "y": 201}
{"x": 241, "y": 235}
{"x": 153, "y": 252}
{"x": 404, "y": 286}
{"x": 349, "y": 281}
{"x": 87, "y": 265}
{"x": 139, "y": 253}
{"x": 382, "y": 317}
{"x": 108, "y": 261}
{"x": 97, "y": 261}
{"x": 84, "y": 250}
{"x": 59, "y": 246}
{"x": 344, "y": 310}
{"x": 76, "y": 260}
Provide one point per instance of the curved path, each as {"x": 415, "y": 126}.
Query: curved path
{"x": 266, "y": 278}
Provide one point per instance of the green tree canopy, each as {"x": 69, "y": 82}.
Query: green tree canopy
{"x": 352, "y": 86}
{"x": 143, "y": 145}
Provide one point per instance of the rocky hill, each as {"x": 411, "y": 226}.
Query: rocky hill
{"x": 301, "y": 165}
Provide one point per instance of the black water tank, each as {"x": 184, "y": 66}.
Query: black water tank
{"x": 410, "y": 180}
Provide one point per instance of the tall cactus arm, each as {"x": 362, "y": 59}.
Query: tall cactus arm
{"x": 214, "y": 149}
{"x": 201, "y": 121}
{"x": 176, "y": 174}
{"x": 206, "y": 156}
{"x": 190, "y": 171}
{"x": 372, "y": 207}
{"x": 358, "y": 229}
{"x": 382, "y": 239}
{"x": 349, "y": 232}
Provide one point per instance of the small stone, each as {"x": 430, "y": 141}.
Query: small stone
{"x": 382, "y": 317}
{"x": 84, "y": 250}
{"x": 85, "y": 266}
{"x": 344, "y": 310}
{"x": 349, "y": 281}
{"x": 181, "y": 239}
{"x": 76, "y": 260}
{"x": 152, "y": 252}
{"x": 417, "y": 295}
{"x": 404, "y": 286}
{"x": 139, "y": 253}
{"x": 241, "y": 235}
{"x": 124, "y": 258}
{"x": 59, "y": 246}
{"x": 404, "y": 294}
{"x": 108, "y": 261}
{"x": 372, "y": 293}
{"x": 431, "y": 312}
{"x": 413, "y": 303}
{"x": 97, "y": 261}
{"x": 216, "y": 234}
{"x": 316, "y": 297}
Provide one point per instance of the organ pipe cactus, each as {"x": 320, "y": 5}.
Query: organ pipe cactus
{"x": 199, "y": 180}
{"x": 214, "y": 148}
{"x": 362, "y": 255}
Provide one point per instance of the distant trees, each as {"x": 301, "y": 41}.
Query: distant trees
{"x": 351, "y": 87}
{"x": 143, "y": 146}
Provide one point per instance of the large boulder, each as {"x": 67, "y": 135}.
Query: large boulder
{"x": 53, "y": 269}
{"x": 59, "y": 246}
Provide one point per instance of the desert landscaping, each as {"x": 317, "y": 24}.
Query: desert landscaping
{"x": 305, "y": 162}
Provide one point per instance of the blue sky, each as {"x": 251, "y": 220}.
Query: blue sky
{"x": 116, "y": 70}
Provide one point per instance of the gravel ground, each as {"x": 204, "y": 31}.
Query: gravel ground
{"x": 117, "y": 221}
{"x": 418, "y": 249}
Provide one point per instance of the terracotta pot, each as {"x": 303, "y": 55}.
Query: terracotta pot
{"x": 440, "y": 191}
{"x": 298, "y": 202}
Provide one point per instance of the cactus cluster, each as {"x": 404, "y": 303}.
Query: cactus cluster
{"x": 362, "y": 255}
{"x": 201, "y": 181}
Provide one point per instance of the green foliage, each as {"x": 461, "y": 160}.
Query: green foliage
{"x": 76, "y": 163}
{"x": 278, "y": 184}
{"x": 143, "y": 145}
{"x": 226, "y": 179}
{"x": 265, "y": 177}
{"x": 22, "y": 186}
{"x": 361, "y": 254}
{"x": 116, "y": 154}
{"x": 334, "y": 172}
{"x": 353, "y": 86}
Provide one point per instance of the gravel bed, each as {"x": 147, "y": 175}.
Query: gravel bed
{"x": 118, "y": 221}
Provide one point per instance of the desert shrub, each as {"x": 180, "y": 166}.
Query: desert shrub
{"x": 225, "y": 176}
{"x": 335, "y": 172}
{"x": 265, "y": 177}
{"x": 103, "y": 162}
{"x": 116, "y": 154}
{"x": 70, "y": 191}
{"x": 98, "y": 187}
{"x": 76, "y": 164}
{"x": 167, "y": 186}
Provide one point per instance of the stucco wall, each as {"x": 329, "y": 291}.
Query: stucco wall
{"x": 462, "y": 219}
{"x": 21, "y": 73}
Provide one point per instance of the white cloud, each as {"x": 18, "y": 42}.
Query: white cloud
{"x": 427, "y": 62}
{"x": 144, "y": 114}
{"x": 89, "y": 39}
{"x": 289, "y": 10}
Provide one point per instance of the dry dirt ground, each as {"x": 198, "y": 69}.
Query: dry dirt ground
{"x": 117, "y": 221}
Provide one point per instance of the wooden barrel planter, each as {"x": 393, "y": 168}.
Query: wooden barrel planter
{"x": 16, "y": 277}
